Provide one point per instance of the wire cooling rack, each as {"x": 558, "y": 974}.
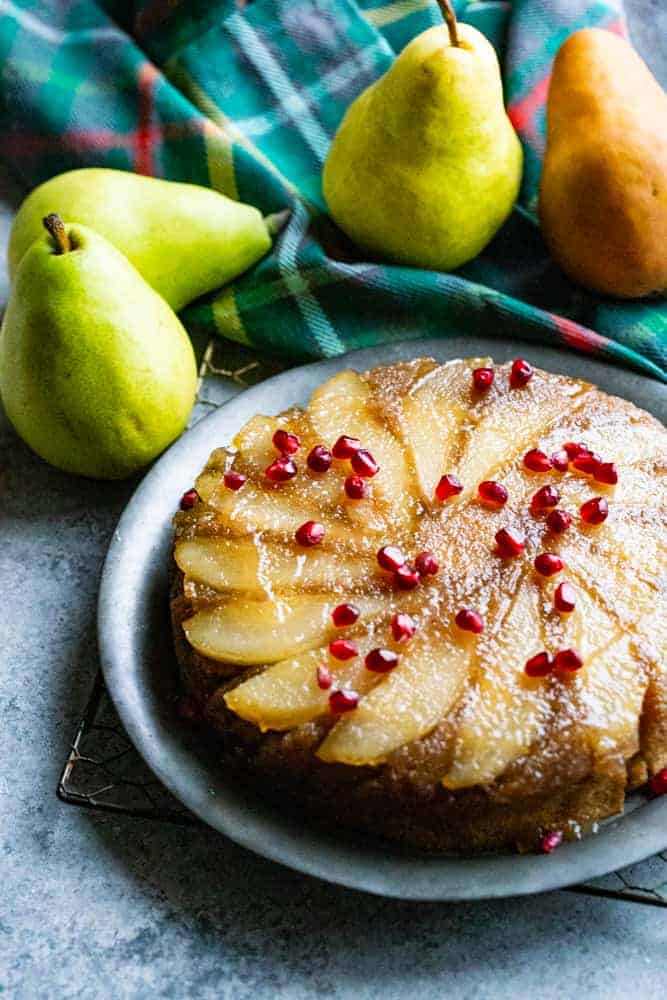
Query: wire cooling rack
{"x": 103, "y": 771}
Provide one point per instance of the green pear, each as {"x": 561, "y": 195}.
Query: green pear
{"x": 97, "y": 374}
{"x": 426, "y": 166}
{"x": 183, "y": 239}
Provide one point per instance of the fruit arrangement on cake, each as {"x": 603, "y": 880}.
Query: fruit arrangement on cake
{"x": 432, "y": 604}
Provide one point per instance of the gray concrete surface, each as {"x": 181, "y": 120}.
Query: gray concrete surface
{"x": 93, "y": 906}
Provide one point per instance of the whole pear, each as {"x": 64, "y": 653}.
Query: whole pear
{"x": 603, "y": 193}
{"x": 185, "y": 240}
{"x": 426, "y": 166}
{"x": 97, "y": 374}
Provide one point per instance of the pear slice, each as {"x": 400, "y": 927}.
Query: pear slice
{"x": 280, "y": 513}
{"x": 389, "y": 384}
{"x": 209, "y": 481}
{"x": 410, "y": 701}
{"x": 254, "y": 442}
{"x": 607, "y": 693}
{"x": 650, "y": 641}
{"x": 343, "y": 405}
{"x": 462, "y": 537}
{"x": 286, "y": 694}
{"x": 610, "y": 690}
{"x": 589, "y": 628}
{"x": 613, "y": 428}
{"x": 507, "y": 421}
{"x": 601, "y": 557}
{"x": 433, "y": 411}
{"x": 253, "y": 451}
{"x": 506, "y": 710}
{"x": 261, "y": 568}
{"x": 244, "y": 631}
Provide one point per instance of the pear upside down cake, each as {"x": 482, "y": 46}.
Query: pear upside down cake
{"x": 432, "y": 604}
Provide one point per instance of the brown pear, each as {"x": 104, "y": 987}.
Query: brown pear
{"x": 603, "y": 194}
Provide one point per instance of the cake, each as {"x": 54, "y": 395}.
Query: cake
{"x": 431, "y": 606}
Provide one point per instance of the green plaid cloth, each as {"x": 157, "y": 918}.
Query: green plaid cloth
{"x": 245, "y": 97}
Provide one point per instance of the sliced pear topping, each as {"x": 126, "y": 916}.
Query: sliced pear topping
{"x": 254, "y": 442}
{"x": 506, "y": 710}
{"x": 622, "y": 581}
{"x": 508, "y": 421}
{"x": 433, "y": 411}
{"x": 610, "y": 691}
{"x": 287, "y": 694}
{"x": 430, "y": 677}
{"x": 390, "y": 384}
{"x": 245, "y": 631}
{"x": 209, "y": 481}
{"x": 281, "y": 513}
{"x": 588, "y": 629}
{"x": 650, "y": 643}
{"x": 613, "y": 428}
{"x": 342, "y": 406}
{"x": 248, "y": 564}
{"x": 259, "y": 599}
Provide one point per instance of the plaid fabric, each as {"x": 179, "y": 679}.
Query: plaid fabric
{"x": 245, "y": 97}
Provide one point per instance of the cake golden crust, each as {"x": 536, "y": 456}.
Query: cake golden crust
{"x": 456, "y": 748}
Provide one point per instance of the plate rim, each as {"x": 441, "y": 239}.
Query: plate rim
{"x": 383, "y": 870}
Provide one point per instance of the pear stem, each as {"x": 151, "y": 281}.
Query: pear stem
{"x": 450, "y": 20}
{"x": 55, "y": 227}
{"x": 277, "y": 221}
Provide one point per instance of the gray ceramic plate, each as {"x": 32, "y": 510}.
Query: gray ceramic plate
{"x": 138, "y": 665}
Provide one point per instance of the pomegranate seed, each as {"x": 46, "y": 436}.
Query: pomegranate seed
{"x": 560, "y": 460}
{"x": 381, "y": 661}
{"x": 511, "y": 542}
{"x": 309, "y": 534}
{"x": 605, "y": 472}
{"x": 390, "y": 557}
{"x": 537, "y": 461}
{"x": 548, "y": 564}
{"x": 426, "y": 564}
{"x": 658, "y": 783}
{"x": 565, "y": 598}
{"x": 324, "y": 680}
{"x": 286, "y": 443}
{"x": 345, "y": 447}
{"x": 343, "y": 701}
{"x": 364, "y": 464}
{"x": 187, "y": 709}
{"x": 492, "y": 493}
{"x": 406, "y": 577}
{"x": 521, "y": 373}
{"x": 539, "y": 665}
{"x": 482, "y": 378}
{"x": 234, "y": 480}
{"x": 469, "y": 620}
{"x": 356, "y": 488}
{"x": 343, "y": 649}
{"x": 574, "y": 448}
{"x": 546, "y": 497}
{"x": 586, "y": 461}
{"x": 345, "y": 614}
{"x": 188, "y": 500}
{"x": 449, "y": 486}
{"x": 568, "y": 659}
{"x": 550, "y": 841}
{"x": 281, "y": 470}
{"x": 558, "y": 521}
{"x": 594, "y": 511}
{"x": 319, "y": 459}
{"x": 402, "y": 627}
